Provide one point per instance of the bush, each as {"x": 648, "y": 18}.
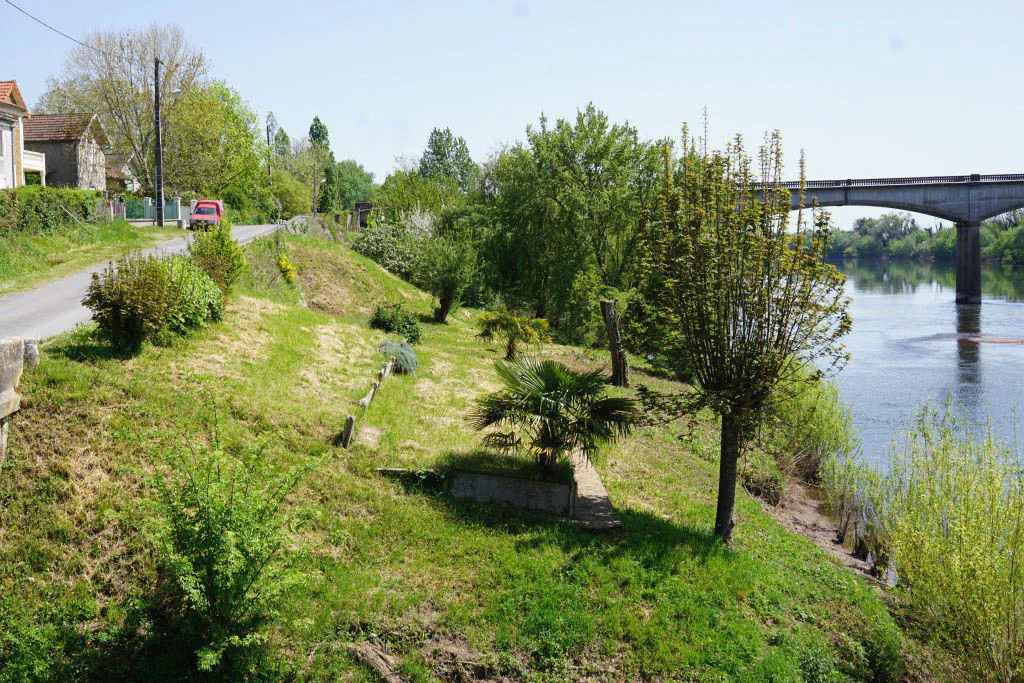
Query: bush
{"x": 35, "y": 209}
{"x": 151, "y": 297}
{"x": 405, "y": 358}
{"x": 809, "y": 423}
{"x": 395, "y": 244}
{"x": 395, "y": 318}
{"x": 219, "y": 540}
{"x": 217, "y": 253}
{"x": 950, "y": 507}
{"x": 286, "y": 267}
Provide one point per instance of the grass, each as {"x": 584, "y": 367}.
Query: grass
{"x": 27, "y": 261}
{"x": 503, "y": 595}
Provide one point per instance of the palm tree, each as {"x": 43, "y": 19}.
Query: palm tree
{"x": 513, "y": 328}
{"x": 551, "y": 411}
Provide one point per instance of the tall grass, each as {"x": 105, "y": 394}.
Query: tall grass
{"x": 947, "y": 514}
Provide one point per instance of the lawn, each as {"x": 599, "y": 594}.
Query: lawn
{"x": 27, "y": 261}
{"x": 447, "y": 586}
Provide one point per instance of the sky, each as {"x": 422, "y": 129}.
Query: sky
{"x": 865, "y": 89}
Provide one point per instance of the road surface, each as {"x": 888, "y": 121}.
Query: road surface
{"x": 57, "y": 306}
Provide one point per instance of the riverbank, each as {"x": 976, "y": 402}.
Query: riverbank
{"x": 446, "y": 587}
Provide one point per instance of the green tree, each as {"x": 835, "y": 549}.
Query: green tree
{"x": 214, "y": 148}
{"x": 282, "y": 144}
{"x": 290, "y": 193}
{"x": 405, "y": 191}
{"x": 329, "y": 189}
{"x": 444, "y": 267}
{"x": 569, "y": 203}
{"x": 745, "y": 303}
{"x": 551, "y": 411}
{"x": 447, "y": 157}
{"x": 355, "y": 184}
{"x": 320, "y": 143}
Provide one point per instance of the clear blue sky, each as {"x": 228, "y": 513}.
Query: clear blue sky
{"x": 866, "y": 88}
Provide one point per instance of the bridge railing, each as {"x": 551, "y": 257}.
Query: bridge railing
{"x": 919, "y": 180}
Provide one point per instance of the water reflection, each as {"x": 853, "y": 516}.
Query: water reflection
{"x": 968, "y": 345}
{"x": 911, "y": 342}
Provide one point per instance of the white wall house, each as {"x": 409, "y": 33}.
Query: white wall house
{"x": 15, "y": 162}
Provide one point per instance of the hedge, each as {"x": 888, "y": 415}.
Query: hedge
{"x": 34, "y": 209}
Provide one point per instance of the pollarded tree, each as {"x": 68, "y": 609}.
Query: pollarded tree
{"x": 444, "y": 267}
{"x": 743, "y": 302}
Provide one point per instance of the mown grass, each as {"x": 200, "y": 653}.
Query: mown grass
{"x": 503, "y": 595}
{"x": 28, "y": 261}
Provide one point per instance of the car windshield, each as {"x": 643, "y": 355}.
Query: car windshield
{"x": 205, "y": 211}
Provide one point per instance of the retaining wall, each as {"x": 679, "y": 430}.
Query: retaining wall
{"x": 539, "y": 496}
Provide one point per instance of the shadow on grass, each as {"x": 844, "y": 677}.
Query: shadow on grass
{"x": 85, "y": 344}
{"x": 652, "y": 541}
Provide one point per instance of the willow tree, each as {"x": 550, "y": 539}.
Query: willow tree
{"x": 736, "y": 296}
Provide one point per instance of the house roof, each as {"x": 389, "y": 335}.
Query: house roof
{"x": 62, "y": 128}
{"x": 11, "y": 96}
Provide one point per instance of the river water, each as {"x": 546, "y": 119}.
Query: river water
{"x": 911, "y": 342}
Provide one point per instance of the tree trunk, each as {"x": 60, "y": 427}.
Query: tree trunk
{"x": 620, "y": 368}
{"x": 443, "y": 308}
{"x": 730, "y": 456}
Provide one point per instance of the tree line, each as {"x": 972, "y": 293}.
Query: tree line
{"x": 898, "y": 235}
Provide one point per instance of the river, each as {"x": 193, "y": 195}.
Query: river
{"x": 911, "y": 342}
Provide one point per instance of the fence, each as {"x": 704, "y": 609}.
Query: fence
{"x": 145, "y": 210}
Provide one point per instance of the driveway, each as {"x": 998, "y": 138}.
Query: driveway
{"x": 57, "y": 306}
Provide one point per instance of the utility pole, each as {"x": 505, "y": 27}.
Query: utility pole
{"x": 270, "y": 156}
{"x": 159, "y": 175}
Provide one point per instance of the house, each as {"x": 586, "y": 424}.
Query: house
{"x": 15, "y": 161}
{"x": 73, "y": 145}
{"x": 120, "y": 177}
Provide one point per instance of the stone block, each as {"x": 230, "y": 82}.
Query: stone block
{"x": 539, "y": 496}
{"x": 12, "y": 363}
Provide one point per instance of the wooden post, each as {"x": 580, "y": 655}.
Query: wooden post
{"x": 620, "y": 366}
{"x": 346, "y": 432}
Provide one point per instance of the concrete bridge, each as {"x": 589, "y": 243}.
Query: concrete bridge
{"x": 966, "y": 200}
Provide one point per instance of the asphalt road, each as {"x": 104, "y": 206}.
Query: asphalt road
{"x": 57, "y": 306}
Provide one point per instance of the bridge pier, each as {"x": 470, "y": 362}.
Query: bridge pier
{"x": 968, "y": 263}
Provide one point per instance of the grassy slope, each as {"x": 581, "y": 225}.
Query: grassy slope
{"x": 28, "y": 261}
{"x": 526, "y": 597}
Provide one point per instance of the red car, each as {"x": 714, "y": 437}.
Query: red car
{"x": 207, "y": 213}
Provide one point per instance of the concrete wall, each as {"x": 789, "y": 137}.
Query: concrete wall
{"x": 539, "y": 496}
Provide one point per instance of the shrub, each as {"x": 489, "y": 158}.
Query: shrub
{"x": 404, "y": 355}
{"x": 395, "y": 244}
{"x": 395, "y": 318}
{"x": 148, "y": 298}
{"x": 808, "y": 423}
{"x": 513, "y": 328}
{"x": 286, "y": 267}
{"x": 950, "y": 506}
{"x": 219, "y": 538}
{"x": 550, "y": 411}
{"x": 217, "y": 253}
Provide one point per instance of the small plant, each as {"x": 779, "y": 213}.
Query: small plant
{"x": 550, "y": 411}
{"x": 151, "y": 297}
{"x": 513, "y": 328}
{"x": 286, "y": 268}
{"x": 217, "y": 253}
{"x": 219, "y": 540}
{"x": 395, "y": 318}
{"x": 404, "y": 355}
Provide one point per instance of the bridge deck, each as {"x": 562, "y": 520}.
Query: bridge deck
{"x": 917, "y": 180}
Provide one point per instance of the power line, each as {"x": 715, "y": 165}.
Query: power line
{"x": 61, "y": 33}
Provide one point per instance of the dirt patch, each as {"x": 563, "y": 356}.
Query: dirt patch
{"x": 801, "y": 513}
